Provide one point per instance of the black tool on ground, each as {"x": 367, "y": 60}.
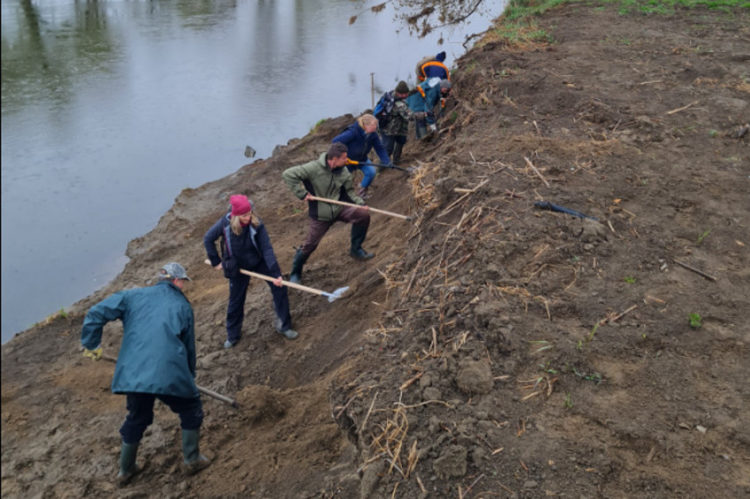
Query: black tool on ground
{"x": 546, "y": 205}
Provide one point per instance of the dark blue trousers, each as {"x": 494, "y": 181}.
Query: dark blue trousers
{"x": 236, "y": 308}
{"x": 141, "y": 414}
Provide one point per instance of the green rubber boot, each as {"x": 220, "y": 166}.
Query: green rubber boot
{"x": 299, "y": 261}
{"x": 194, "y": 460}
{"x": 128, "y": 469}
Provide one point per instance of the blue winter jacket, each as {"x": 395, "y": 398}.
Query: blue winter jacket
{"x": 157, "y": 353}
{"x": 425, "y": 104}
{"x": 359, "y": 144}
{"x": 249, "y": 248}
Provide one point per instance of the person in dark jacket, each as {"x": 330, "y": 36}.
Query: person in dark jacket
{"x": 156, "y": 360}
{"x": 245, "y": 245}
{"x": 427, "y": 95}
{"x": 326, "y": 177}
{"x": 360, "y": 138}
{"x": 396, "y": 127}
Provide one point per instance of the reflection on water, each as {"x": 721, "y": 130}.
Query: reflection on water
{"x": 111, "y": 108}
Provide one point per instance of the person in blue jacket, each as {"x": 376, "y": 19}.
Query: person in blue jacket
{"x": 245, "y": 245}
{"x": 426, "y": 96}
{"x": 433, "y": 67}
{"x": 156, "y": 360}
{"x": 360, "y": 138}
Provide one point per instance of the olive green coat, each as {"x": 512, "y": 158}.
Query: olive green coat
{"x": 317, "y": 178}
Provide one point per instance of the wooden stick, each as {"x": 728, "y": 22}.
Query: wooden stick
{"x": 699, "y": 272}
{"x": 470, "y": 192}
{"x": 528, "y": 162}
{"x": 409, "y": 382}
{"x": 364, "y": 422}
{"x": 681, "y": 108}
{"x": 619, "y": 316}
{"x": 217, "y": 396}
{"x": 285, "y": 283}
{"x": 343, "y": 203}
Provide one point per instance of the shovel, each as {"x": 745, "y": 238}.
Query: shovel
{"x": 408, "y": 170}
{"x": 343, "y": 203}
{"x": 331, "y": 296}
{"x": 202, "y": 389}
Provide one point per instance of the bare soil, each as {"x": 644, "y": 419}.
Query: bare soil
{"x": 491, "y": 349}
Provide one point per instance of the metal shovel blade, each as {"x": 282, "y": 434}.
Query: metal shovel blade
{"x": 336, "y": 294}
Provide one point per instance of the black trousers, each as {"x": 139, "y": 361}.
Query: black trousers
{"x": 236, "y": 308}
{"x": 141, "y": 414}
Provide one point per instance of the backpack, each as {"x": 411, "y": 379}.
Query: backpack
{"x": 383, "y": 108}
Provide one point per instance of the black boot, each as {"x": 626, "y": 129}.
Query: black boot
{"x": 358, "y": 237}
{"x": 397, "y": 148}
{"x": 299, "y": 262}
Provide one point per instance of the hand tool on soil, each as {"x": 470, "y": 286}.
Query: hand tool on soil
{"x": 408, "y": 170}
{"x": 343, "y": 203}
{"x": 202, "y": 389}
{"x": 331, "y": 296}
{"x": 546, "y": 205}
{"x": 217, "y": 396}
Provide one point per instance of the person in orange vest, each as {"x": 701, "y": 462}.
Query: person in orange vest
{"x": 432, "y": 67}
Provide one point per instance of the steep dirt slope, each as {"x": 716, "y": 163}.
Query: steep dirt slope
{"x": 491, "y": 349}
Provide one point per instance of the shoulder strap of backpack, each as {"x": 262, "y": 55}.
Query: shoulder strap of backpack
{"x": 227, "y": 240}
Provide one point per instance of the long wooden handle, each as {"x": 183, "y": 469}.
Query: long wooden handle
{"x": 271, "y": 279}
{"x": 285, "y": 283}
{"x": 343, "y": 203}
{"x": 217, "y": 396}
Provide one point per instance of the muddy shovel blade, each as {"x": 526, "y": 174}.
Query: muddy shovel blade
{"x": 336, "y": 294}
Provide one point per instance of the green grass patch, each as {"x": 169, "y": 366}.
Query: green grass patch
{"x": 519, "y": 33}
{"x": 703, "y": 236}
{"x": 696, "y": 321}
{"x": 316, "y": 125}
{"x": 568, "y": 403}
{"x": 518, "y": 10}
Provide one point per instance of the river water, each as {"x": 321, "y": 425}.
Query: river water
{"x": 110, "y": 108}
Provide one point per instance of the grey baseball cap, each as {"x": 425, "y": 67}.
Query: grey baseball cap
{"x": 173, "y": 270}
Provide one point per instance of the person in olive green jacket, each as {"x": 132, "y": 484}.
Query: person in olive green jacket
{"x": 326, "y": 177}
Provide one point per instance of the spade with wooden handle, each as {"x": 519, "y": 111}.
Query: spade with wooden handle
{"x": 331, "y": 296}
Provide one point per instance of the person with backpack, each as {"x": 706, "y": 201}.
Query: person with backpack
{"x": 156, "y": 361}
{"x": 393, "y": 116}
{"x": 245, "y": 245}
{"x": 360, "y": 138}
{"x": 433, "y": 67}
{"x": 423, "y": 101}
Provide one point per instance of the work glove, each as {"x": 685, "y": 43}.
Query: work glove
{"x": 94, "y": 354}
{"x": 432, "y": 128}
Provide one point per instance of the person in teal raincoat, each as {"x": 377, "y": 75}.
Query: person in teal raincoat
{"x": 426, "y": 96}
{"x": 156, "y": 360}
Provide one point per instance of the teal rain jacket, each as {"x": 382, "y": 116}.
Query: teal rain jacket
{"x": 157, "y": 354}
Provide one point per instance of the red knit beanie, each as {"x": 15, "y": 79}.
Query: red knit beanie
{"x": 240, "y": 205}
